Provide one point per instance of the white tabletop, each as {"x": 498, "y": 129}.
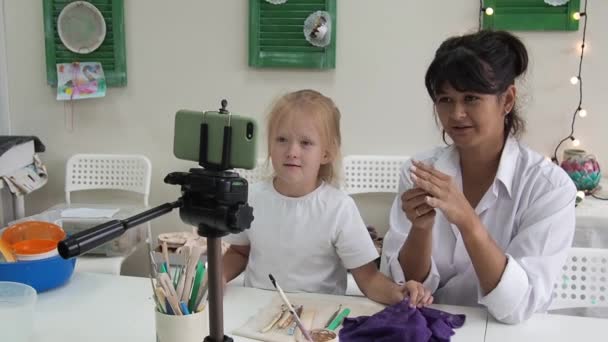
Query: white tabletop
{"x": 97, "y": 308}
{"x": 553, "y": 328}
{"x": 100, "y": 308}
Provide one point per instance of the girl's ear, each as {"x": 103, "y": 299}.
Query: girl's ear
{"x": 327, "y": 158}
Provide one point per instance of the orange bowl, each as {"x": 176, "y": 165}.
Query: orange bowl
{"x": 31, "y": 247}
{"x": 33, "y": 230}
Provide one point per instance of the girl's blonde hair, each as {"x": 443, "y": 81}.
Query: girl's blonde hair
{"x": 324, "y": 112}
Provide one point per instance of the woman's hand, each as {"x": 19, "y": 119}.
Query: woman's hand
{"x": 419, "y": 295}
{"x": 443, "y": 194}
{"x": 417, "y": 210}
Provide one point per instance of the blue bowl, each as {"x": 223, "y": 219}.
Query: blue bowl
{"x": 43, "y": 274}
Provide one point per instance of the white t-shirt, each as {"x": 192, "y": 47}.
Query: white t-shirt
{"x": 528, "y": 211}
{"x": 307, "y": 243}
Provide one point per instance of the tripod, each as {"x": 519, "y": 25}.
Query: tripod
{"x": 213, "y": 199}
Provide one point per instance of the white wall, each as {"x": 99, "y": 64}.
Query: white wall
{"x": 4, "y": 107}
{"x": 192, "y": 53}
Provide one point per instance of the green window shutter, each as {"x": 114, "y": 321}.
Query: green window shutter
{"x": 111, "y": 53}
{"x": 276, "y": 35}
{"x": 531, "y": 15}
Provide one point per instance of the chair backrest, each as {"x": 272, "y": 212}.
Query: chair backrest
{"x": 108, "y": 171}
{"x": 372, "y": 173}
{"x": 261, "y": 172}
{"x": 583, "y": 282}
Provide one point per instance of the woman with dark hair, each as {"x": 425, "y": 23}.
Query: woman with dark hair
{"x": 484, "y": 221}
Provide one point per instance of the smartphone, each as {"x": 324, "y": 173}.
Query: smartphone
{"x": 186, "y": 138}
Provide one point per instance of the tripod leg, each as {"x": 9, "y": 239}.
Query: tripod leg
{"x": 216, "y": 313}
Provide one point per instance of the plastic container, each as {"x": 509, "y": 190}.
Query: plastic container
{"x": 123, "y": 245}
{"x": 17, "y": 302}
{"x": 42, "y": 275}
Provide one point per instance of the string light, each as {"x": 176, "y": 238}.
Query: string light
{"x": 576, "y": 80}
{"x": 483, "y": 10}
{"x": 575, "y": 142}
{"x": 582, "y": 112}
{"x": 578, "y": 15}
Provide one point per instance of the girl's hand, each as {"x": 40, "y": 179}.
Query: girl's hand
{"x": 419, "y": 295}
{"x": 417, "y": 210}
{"x": 444, "y": 194}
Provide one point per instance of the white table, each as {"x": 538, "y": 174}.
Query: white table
{"x": 101, "y": 308}
{"x": 553, "y": 328}
{"x": 97, "y": 308}
{"x": 592, "y": 220}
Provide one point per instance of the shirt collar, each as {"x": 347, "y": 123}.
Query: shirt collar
{"x": 507, "y": 164}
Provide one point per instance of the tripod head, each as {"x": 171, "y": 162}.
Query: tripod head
{"x": 213, "y": 199}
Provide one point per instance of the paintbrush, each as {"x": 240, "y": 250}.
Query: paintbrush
{"x": 291, "y": 309}
{"x": 335, "y": 314}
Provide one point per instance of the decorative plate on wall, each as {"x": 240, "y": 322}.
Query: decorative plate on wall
{"x": 317, "y": 29}
{"x": 280, "y": 38}
{"x": 81, "y": 27}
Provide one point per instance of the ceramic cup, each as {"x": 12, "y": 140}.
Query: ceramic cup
{"x": 186, "y": 328}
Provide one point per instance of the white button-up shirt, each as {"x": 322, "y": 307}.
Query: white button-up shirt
{"x": 528, "y": 210}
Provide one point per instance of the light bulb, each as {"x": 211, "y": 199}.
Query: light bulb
{"x": 489, "y": 11}
{"x": 576, "y": 16}
{"x": 576, "y": 142}
{"x": 580, "y": 194}
{"x": 582, "y": 113}
{"x": 574, "y": 80}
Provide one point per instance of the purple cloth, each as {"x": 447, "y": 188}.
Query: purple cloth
{"x": 400, "y": 322}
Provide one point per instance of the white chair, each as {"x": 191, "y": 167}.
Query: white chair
{"x": 130, "y": 173}
{"x": 108, "y": 171}
{"x": 583, "y": 282}
{"x": 372, "y": 173}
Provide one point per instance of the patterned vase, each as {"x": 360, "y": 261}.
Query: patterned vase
{"x": 583, "y": 168}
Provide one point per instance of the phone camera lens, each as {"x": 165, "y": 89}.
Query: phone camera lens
{"x": 249, "y": 133}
